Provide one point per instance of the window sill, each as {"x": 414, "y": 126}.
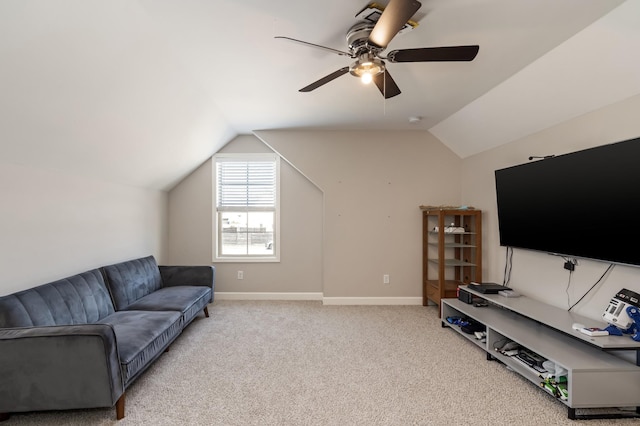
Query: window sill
{"x": 247, "y": 259}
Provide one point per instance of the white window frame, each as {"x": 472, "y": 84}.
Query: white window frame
{"x": 217, "y": 226}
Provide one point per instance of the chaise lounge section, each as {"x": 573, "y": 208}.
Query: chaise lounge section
{"x": 80, "y": 342}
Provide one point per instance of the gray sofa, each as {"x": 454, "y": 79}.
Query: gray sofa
{"x": 81, "y": 341}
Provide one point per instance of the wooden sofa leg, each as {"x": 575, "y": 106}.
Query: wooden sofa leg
{"x": 120, "y": 408}
{"x": 206, "y": 311}
{"x": 4, "y": 416}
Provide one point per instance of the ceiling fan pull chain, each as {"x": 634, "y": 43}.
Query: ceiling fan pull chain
{"x": 384, "y": 95}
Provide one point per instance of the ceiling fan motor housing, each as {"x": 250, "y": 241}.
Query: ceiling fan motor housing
{"x": 357, "y": 37}
{"x": 367, "y": 62}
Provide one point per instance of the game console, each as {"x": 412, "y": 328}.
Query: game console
{"x": 487, "y": 288}
{"x": 530, "y": 358}
{"x": 465, "y": 296}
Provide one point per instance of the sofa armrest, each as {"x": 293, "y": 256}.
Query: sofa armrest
{"x": 59, "y": 367}
{"x": 188, "y": 275}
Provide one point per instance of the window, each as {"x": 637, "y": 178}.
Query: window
{"x": 246, "y": 207}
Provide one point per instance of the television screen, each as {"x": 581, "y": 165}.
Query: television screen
{"x": 584, "y": 204}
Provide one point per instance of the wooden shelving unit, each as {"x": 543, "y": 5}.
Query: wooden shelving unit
{"x": 451, "y": 251}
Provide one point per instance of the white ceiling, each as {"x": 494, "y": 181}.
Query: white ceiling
{"x": 143, "y": 91}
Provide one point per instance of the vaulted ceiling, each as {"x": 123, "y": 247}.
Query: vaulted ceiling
{"x": 143, "y": 91}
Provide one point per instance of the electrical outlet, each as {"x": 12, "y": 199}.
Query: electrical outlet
{"x": 240, "y": 275}
{"x": 385, "y": 279}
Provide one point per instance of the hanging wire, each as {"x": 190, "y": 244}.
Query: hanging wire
{"x": 508, "y": 263}
{"x": 609, "y": 268}
{"x": 567, "y": 288}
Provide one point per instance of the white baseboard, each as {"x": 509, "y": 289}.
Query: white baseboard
{"x": 372, "y": 301}
{"x": 230, "y": 295}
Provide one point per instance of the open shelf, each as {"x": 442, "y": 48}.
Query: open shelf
{"x": 596, "y": 378}
{"x": 449, "y": 258}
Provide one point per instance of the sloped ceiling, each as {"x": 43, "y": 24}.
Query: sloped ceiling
{"x": 598, "y": 66}
{"x": 142, "y": 92}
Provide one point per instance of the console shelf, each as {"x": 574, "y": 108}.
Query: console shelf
{"x": 595, "y": 379}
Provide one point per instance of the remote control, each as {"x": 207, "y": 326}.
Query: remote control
{"x": 593, "y": 331}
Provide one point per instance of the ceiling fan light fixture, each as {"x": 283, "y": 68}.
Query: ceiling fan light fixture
{"x": 369, "y": 37}
{"x": 366, "y": 67}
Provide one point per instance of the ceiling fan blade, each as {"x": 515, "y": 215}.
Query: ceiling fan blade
{"x": 329, "y": 49}
{"x": 393, "y": 18}
{"x": 325, "y": 80}
{"x": 434, "y": 54}
{"x": 386, "y": 85}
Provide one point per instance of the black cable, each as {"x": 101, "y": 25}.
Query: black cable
{"x": 570, "y": 265}
{"x": 609, "y": 268}
{"x": 567, "y": 289}
{"x": 508, "y": 264}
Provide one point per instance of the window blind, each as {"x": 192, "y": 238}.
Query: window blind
{"x": 246, "y": 184}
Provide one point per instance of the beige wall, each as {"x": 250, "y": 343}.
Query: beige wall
{"x": 54, "y": 224}
{"x": 349, "y": 215}
{"x": 190, "y": 216}
{"x": 349, "y": 212}
{"x": 373, "y": 184}
{"x": 300, "y": 266}
{"x": 540, "y": 275}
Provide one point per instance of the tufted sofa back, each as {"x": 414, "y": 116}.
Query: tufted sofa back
{"x": 129, "y": 281}
{"x": 79, "y": 299}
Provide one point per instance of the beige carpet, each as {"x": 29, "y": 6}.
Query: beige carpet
{"x": 302, "y": 363}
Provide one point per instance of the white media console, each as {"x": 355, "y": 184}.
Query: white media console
{"x": 596, "y": 377}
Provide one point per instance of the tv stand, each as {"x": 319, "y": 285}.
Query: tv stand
{"x": 596, "y": 378}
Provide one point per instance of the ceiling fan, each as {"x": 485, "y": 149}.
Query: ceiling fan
{"x": 368, "y": 39}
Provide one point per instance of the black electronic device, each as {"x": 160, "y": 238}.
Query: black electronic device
{"x": 487, "y": 288}
{"x": 465, "y": 296}
{"x": 472, "y": 326}
{"x": 530, "y": 358}
{"x": 564, "y": 204}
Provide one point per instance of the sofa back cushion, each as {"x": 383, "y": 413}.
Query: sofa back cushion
{"x": 79, "y": 299}
{"x": 129, "y": 281}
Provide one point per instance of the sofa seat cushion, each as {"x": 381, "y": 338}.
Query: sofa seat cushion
{"x": 188, "y": 300}
{"x": 142, "y": 337}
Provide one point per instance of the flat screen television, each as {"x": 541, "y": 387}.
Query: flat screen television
{"x": 585, "y": 204}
